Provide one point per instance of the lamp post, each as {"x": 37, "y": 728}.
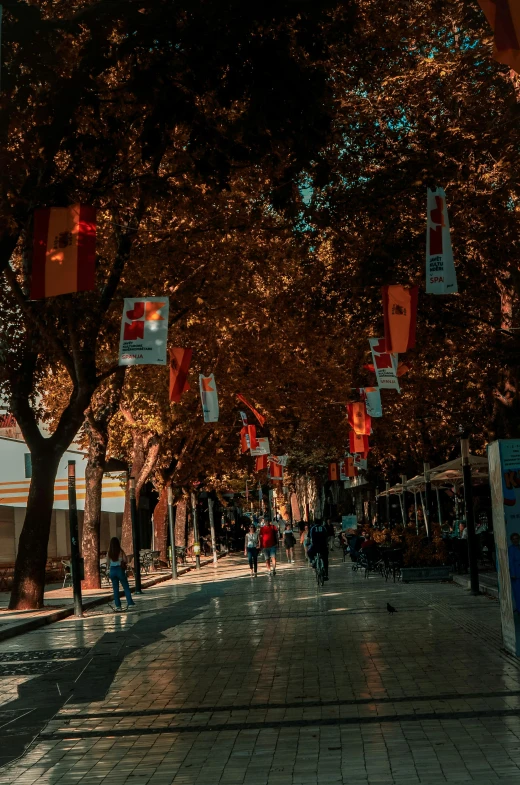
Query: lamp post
{"x": 428, "y": 499}
{"x": 196, "y": 543}
{"x": 403, "y": 496}
{"x": 171, "y": 524}
{"x": 212, "y": 529}
{"x": 470, "y": 517}
{"x": 135, "y": 535}
{"x": 75, "y": 560}
{"x": 387, "y": 501}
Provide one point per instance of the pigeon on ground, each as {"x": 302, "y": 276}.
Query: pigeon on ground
{"x": 390, "y": 608}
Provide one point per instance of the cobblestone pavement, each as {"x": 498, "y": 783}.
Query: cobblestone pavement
{"x": 223, "y": 679}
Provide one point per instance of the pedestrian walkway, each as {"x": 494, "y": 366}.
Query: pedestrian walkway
{"x": 227, "y": 679}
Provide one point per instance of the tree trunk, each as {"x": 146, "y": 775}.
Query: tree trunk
{"x": 137, "y": 463}
{"x": 29, "y": 573}
{"x": 160, "y": 523}
{"x": 92, "y": 516}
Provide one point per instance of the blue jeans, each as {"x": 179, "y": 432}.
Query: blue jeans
{"x": 252, "y": 555}
{"x": 118, "y": 575}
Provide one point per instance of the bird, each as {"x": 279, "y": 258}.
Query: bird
{"x": 390, "y": 608}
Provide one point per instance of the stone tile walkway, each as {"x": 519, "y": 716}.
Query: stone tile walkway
{"x": 223, "y": 679}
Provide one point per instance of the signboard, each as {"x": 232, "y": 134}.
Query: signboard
{"x": 504, "y": 478}
{"x": 385, "y": 364}
{"x": 348, "y": 522}
{"x": 263, "y": 446}
{"x": 144, "y": 331}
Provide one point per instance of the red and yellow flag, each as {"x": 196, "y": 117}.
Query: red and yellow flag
{"x": 261, "y": 463}
{"x": 400, "y": 313}
{"x": 359, "y": 444}
{"x": 275, "y": 471}
{"x": 504, "y": 18}
{"x": 359, "y": 419}
{"x": 333, "y": 471}
{"x": 350, "y": 469}
{"x": 180, "y": 360}
{"x": 64, "y": 251}
{"x": 259, "y": 417}
{"x": 253, "y": 441}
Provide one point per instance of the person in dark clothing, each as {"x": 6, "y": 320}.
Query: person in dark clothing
{"x": 319, "y": 538}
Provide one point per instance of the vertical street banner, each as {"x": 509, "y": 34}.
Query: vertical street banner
{"x": 372, "y": 398}
{"x": 144, "y": 331}
{"x": 342, "y": 471}
{"x": 64, "y": 251}
{"x": 244, "y": 440}
{"x": 209, "y": 398}
{"x": 253, "y": 441}
{"x": 385, "y": 365}
{"x": 275, "y": 471}
{"x": 504, "y": 479}
{"x": 440, "y": 269}
{"x": 358, "y": 418}
{"x": 263, "y": 446}
{"x": 333, "y": 472}
{"x": 504, "y": 17}
{"x": 243, "y": 419}
{"x": 259, "y": 417}
{"x": 400, "y": 315}
{"x": 261, "y": 463}
{"x": 358, "y": 444}
{"x": 359, "y": 464}
{"x": 180, "y": 360}
{"x": 281, "y": 460}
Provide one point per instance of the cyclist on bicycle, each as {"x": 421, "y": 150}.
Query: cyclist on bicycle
{"x": 319, "y": 538}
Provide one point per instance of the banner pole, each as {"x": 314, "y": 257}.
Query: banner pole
{"x": 171, "y": 523}
{"x": 470, "y": 518}
{"x": 75, "y": 560}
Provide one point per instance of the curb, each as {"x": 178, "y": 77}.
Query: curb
{"x": 464, "y": 582}
{"x": 63, "y": 613}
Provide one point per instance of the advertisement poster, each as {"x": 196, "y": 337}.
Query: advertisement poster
{"x": 263, "y": 446}
{"x": 385, "y": 365}
{"x": 144, "y": 331}
{"x": 504, "y": 479}
{"x": 440, "y": 269}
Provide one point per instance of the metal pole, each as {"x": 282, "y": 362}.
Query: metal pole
{"x": 387, "y": 488}
{"x": 172, "y": 514}
{"x": 212, "y": 529}
{"x": 75, "y": 561}
{"x": 439, "y": 508}
{"x": 196, "y": 543}
{"x": 470, "y": 518}
{"x": 428, "y": 499}
{"x": 415, "y": 509}
{"x": 403, "y": 495}
{"x": 135, "y": 536}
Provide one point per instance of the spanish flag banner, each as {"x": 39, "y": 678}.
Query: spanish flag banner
{"x": 440, "y": 269}
{"x": 504, "y": 18}
{"x": 400, "y": 313}
{"x": 209, "y": 398}
{"x": 359, "y": 444}
{"x": 253, "y": 441}
{"x": 259, "y": 417}
{"x": 261, "y": 463}
{"x": 64, "y": 251}
{"x": 347, "y": 469}
{"x": 180, "y": 360}
{"x": 359, "y": 419}
{"x": 372, "y": 398}
{"x": 275, "y": 471}
{"x": 333, "y": 472}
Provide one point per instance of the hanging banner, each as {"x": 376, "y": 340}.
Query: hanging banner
{"x": 359, "y": 464}
{"x": 244, "y": 440}
{"x": 333, "y": 472}
{"x": 504, "y": 17}
{"x": 358, "y": 418}
{"x": 281, "y": 460}
{"x": 275, "y": 471}
{"x": 385, "y": 365}
{"x": 263, "y": 446}
{"x": 342, "y": 470}
{"x": 243, "y": 417}
{"x": 400, "y": 314}
{"x": 347, "y": 469}
{"x": 261, "y": 463}
{"x": 209, "y": 398}
{"x": 372, "y": 398}
{"x": 259, "y": 417}
{"x": 180, "y": 360}
{"x": 253, "y": 441}
{"x": 358, "y": 444}
{"x": 440, "y": 269}
{"x": 64, "y": 251}
{"x": 144, "y": 331}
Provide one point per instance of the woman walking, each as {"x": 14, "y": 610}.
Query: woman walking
{"x": 116, "y": 567}
{"x": 289, "y": 540}
{"x": 251, "y": 549}
{"x": 304, "y": 539}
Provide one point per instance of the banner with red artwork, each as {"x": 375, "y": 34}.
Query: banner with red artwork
{"x": 385, "y": 365}
{"x": 180, "y": 360}
{"x": 358, "y": 418}
{"x": 440, "y": 269}
{"x": 144, "y": 331}
{"x": 400, "y": 315}
{"x": 263, "y": 446}
{"x": 333, "y": 472}
{"x": 372, "y": 398}
{"x": 261, "y": 463}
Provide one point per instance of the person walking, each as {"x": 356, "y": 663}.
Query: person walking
{"x": 268, "y": 543}
{"x": 251, "y": 549}
{"x": 319, "y": 544}
{"x": 289, "y": 540}
{"x": 304, "y": 536}
{"x": 116, "y": 568}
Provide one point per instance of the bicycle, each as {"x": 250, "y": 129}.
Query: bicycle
{"x": 320, "y": 570}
